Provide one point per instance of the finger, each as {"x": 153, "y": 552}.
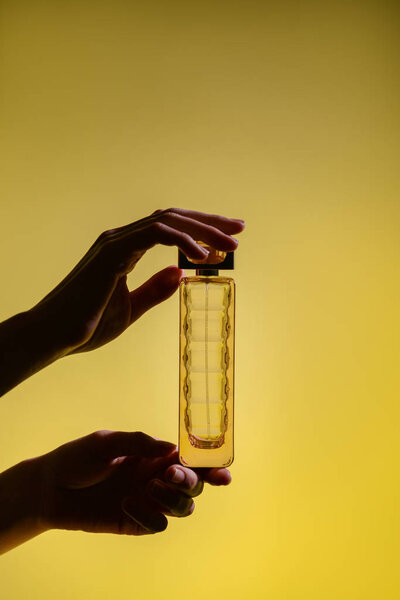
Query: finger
{"x": 151, "y": 520}
{"x": 111, "y": 444}
{"x": 127, "y": 526}
{"x": 121, "y": 253}
{"x": 175, "y": 501}
{"x": 225, "y": 224}
{"x": 127, "y": 244}
{"x": 200, "y": 231}
{"x": 215, "y": 476}
{"x": 187, "y": 480}
{"x": 94, "y": 258}
{"x": 158, "y": 233}
{"x": 157, "y": 289}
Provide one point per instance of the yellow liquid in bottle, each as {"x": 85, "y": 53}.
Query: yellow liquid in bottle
{"x": 207, "y": 310}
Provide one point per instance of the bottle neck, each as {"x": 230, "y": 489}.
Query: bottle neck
{"x": 207, "y": 272}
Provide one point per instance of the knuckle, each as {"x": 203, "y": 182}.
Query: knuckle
{"x": 157, "y": 227}
{"x": 105, "y": 243}
{"x": 140, "y": 436}
{"x": 165, "y": 213}
{"x": 163, "y": 216}
{"x": 101, "y": 434}
{"x": 106, "y": 236}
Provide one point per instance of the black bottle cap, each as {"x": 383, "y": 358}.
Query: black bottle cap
{"x": 227, "y": 263}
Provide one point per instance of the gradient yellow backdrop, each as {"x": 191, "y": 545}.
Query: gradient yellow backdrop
{"x": 285, "y": 114}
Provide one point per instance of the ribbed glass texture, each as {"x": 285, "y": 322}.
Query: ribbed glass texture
{"x": 206, "y": 371}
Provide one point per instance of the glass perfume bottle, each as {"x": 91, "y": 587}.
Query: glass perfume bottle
{"x": 206, "y": 372}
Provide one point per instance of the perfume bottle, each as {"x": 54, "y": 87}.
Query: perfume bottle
{"x": 206, "y": 370}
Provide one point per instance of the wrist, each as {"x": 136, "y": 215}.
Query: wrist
{"x": 29, "y": 341}
{"x": 46, "y": 334}
{"x": 21, "y": 504}
{"x": 57, "y": 332}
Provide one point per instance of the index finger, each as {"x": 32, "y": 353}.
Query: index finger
{"x": 121, "y": 248}
{"x": 225, "y": 224}
{"x": 108, "y": 445}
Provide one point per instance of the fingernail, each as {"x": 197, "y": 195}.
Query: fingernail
{"x": 176, "y": 475}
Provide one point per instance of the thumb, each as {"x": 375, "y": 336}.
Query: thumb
{"x": 155, "y": 290}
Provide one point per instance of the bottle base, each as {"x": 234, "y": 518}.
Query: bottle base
{"x": 205, "y": 459}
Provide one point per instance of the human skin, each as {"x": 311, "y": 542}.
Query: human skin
{"x": 93, "y": 304}
{"x": 106, "y": 482}
{"x": 116, "y": 482}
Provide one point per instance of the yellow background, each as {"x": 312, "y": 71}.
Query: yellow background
{"x": 285, "y": 114}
